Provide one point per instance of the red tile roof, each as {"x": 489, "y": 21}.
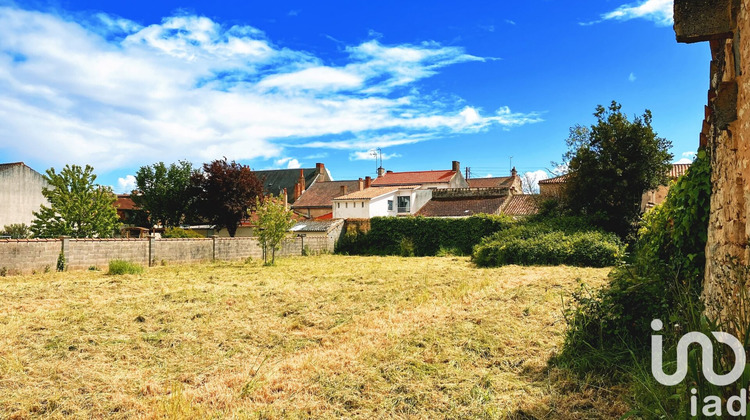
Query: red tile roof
{"x": 556, "y": 180}
{"x": 678, "y": 170}
{"x": 321, "y": 194}
{"x": 522, "y": 205}
{"x": 496, "y": 182}
{"x": 124, "y": 202}
{"x": 367, "y": 193}
{"x": 413, "y": 178}
{"x": 462, "y": 207}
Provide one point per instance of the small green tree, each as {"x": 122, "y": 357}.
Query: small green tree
{"x": 16, "y": 231}
{"x": 164, "y": 192}
{"x": 274, "y": 222}
{"x": 78, "y": 207}
{"x": 611, "y": 165}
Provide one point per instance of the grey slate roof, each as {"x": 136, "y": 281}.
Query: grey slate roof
{"x": 274, "y": 181}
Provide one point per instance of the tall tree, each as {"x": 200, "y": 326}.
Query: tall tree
{"x": 225, "y": 192}
{"x": 165, "y": 192}
{"x": 78, "y": 207}
{"x": 611, "y": 165}
{"x": 274, "y": 222}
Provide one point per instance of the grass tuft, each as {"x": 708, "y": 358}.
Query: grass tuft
{"x": 119, "y": 267}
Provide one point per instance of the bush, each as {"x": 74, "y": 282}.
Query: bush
{"x": 533, "y": 246}
{"x": 427, "y": 235}
{"x": 16, "y": 231}
{"x": 175, "y": 232}
{"x": 118, "y": 267}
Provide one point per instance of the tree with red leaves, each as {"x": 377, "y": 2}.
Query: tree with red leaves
{"x": 225, "y": 192}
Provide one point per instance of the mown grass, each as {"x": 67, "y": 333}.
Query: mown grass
{"x": 325, "y": 336}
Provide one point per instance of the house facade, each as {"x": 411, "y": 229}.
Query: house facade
{"x": 20, "y": 193}
{"x": 317, "y": 201}
{"x": 381, "y": 201}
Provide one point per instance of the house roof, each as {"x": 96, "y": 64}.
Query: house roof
{"x": 275, "y": 180}
{"x": 413, "y": 178}
{"x": 678, "y": 170}
{"x": 462, "y": 207}
{"x": 321, "y": 194}
{"x": 556, "y": 180}
{"x": 315, "y": 225}
{"x": 124, "y": 202}
{"x": 496, "y": 182}
{"x": 10, "y": 165}
{"x": 522, "y": 205}
{"x": 368, "y": 193}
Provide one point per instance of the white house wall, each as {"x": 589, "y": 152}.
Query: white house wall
{"x": 20, "y": 194}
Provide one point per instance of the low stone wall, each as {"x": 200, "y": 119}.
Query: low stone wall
{"x": 29, "y": 255}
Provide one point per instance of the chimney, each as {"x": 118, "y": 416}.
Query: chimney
{"x": 285, "y": 197}
{"x": 389, "y": 172}
{"x": 456, "y": 166}
{"x": 381, "y": 171}
{"x": 320, "y": 169}
{"x": 301, "y": 181}
{"x": 361, "y": 185}
{"x": 368, "y": 181}
{"x": 513, "y": 172}
{"x": 343, "y": 190}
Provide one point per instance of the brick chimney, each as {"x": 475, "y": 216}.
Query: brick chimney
{"x": 299, "y": 187}
{"x": 389, "y": 172}
{"x": 320, "y": 169}
{"x": 368, "y": 181}
{"x": 286, "y": 199}
{"x": 381, "y": 171}
{"x": 343, "y": 190}
{"x": 361, "y": 185}
{"x": 456, "y": 167}
{"x": 513, "y": 172}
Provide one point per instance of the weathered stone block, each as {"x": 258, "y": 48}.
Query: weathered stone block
{"x": 702, "y": 20}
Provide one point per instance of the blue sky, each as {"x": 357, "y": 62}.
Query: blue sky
{"x": 281, "y": 84}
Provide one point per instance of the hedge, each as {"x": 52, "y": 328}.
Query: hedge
{"x": 562, "y": 240}
{"x": 421, "y": 236}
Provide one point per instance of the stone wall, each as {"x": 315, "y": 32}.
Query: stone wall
{"x": 726, "y": 137}
{"x": 30, "y": 255}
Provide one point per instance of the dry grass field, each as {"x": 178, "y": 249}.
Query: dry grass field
{"x": 313, "y": 337}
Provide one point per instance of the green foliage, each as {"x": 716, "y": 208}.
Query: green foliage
{"x": 563, "y": 240}
{"x": 164, "y": 193}
{"x": 78, "y": 207}
{"x": 175, "y": 232}
{"x": 16, "y": 231}
{"x": 61, "y": 263}
{"x": 609, "y": 330}
{"x": 611, "y": 165}
{"x": 224, "y": 192}
{"x": 119, "y": 267}
{"x": 274, "y": 222}
{"x": 406, "y": 247}
{"x": 428, "y": 235}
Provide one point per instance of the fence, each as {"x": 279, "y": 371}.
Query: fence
{"x": 28, "y": 255}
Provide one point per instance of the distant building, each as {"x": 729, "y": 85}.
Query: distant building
{"x": 522, "y": 205}
{"x": 295, "y": 181}
{"x": 20, "y": 193}
{"x": 381, "y": 201}
{"x": 465, "y": 202}
{"x": 512, "y": 182}
{"x": 451, "y": 178}
{"x": 657, "y": 196}
{"x": 317, "y": 200}
{"x": 552, "y": 187}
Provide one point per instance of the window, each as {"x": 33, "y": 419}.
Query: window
{"x": 346, "y": 205}
{"x": 390, "y": 205}
{"x": 363, "y": 204}
{"x": 338, "y": 205}
{"x": 404, "y": 204}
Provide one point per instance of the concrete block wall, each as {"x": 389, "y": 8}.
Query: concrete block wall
{"x": 182, "y": 250}
{"x": 28, "y": 255}
{"x": 25, "y": 255}
{"x": 80, "y": 254}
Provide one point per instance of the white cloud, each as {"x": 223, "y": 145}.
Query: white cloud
{"x": 510, "y": 22}
{"x": 367, "y": 155}
{"x": 530, "y": 181}
{"x": 690, "y": 155}
{"x": 488, "y": 176}
{"x": 631, "y": 77}
{"x": 657, "y": 11}
{"x": 126, "y": 185}
{"x": 109, "y": 92}
{"x": 290, "y": 163}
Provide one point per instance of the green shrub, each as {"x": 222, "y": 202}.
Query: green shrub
{"x": 427, "y": 234}
{"x": 406, "y": 247}
{"x": 118, "y": 267}
{"x": 61, "y": 263}
{"x": 175, "y": 232}
{"x": 16, "y": 231}
{"x": 533, "y": 246}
